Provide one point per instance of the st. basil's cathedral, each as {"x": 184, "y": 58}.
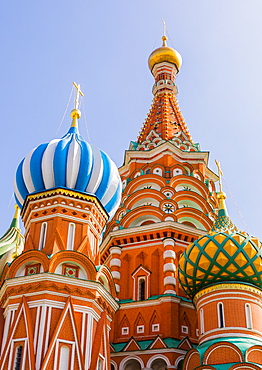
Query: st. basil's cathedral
{"x": 133, "y": 268}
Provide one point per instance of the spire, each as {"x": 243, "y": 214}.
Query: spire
{"x": 13, "y": 238}
{"x": 223, "y": 222}
{"x": 165, "y": 120}
{"x": 76, "y": 113}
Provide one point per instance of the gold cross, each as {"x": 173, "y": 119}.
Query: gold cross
{"x": 78, "y": 92}
{"x": 220, "y": 174}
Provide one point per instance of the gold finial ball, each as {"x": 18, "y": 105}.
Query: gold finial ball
{"x": 165, "y": 54}
{"x": 76, "y": 113}
{"x": 221, "y": 195}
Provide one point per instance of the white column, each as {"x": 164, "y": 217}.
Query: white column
{"x": 115, "y": 264}
{"x": 169, "y": 267}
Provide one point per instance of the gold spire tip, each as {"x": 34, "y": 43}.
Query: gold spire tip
{"x": 17, "y": 211}
{"x": 164, "y": 39}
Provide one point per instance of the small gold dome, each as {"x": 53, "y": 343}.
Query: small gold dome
{"x": 165, "y": 54}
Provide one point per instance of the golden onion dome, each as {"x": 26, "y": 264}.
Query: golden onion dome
{"x": 165, "y": 54}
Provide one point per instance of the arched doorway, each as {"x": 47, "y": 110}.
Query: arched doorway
{"x": 132, "y": 365}
{"x": 159, "y": 364}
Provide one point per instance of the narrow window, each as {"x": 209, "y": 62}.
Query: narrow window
{"x": 70, "y": 236}
{"x": 18, "y": 358}
{"x": 125, "y": 330}
{"x": 155, "y": 327}
{"x": 100, "y": 364}
{"x": 221, "y": 319}
{"x": 248, "y": 316}
{"x": 92, "y": 242}
{"x": 64, "y": 358}
{"x": 202, "y": 326}
{"x": 42, "y": 236}
{"x": 141, "y": 289}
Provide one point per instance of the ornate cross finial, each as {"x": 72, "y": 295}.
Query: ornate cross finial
{"x": 220, "y": 174}
{"x": 164, "y": 25}
{"x": 78, "y": 92}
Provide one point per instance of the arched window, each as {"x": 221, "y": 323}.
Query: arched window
{"x": 70, "y": 236}
{"x": 64, "y": 358}
{"x": 42, "y": 236}
{"x": 158, "y": 171}
{"x": 180, "y": 365}
{"x": 221, "y": 318}
{"x": 248, "y": 316}
{"x": 18, "y": 358}
{"x": 202, "y": 326}
{"x": 141, "y": 288}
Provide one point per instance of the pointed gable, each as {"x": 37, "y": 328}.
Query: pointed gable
{"x": 21, "y": 333}
{"x": 132, "y": 345}
{"x": 158, "y": 343}
{"x": 65, "y": 332}
{"x": 185, "y": 344}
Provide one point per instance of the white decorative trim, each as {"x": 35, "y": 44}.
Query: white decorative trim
{"x": 49, "y": 315}
{"x": 169, "y": 254}
{"x": 6, "y": 328}
{"x": 41, "y": 337}
{"x": 250, "y": 334}
{"x": 157, "y": 301}
{"x": 89, "y": 339}
{"x": 80, "y": 283}
{"x": 115, "y": 250}
{"x": 248, "y": 312}
{"x": 150, "y": 352}
{"x": 168, "y": 242}
{"x": 222, "y": 345}
{"x": 36, "y": 326}
{"x": 169, "y": 280}
{"x": 117, "y": 288}
{"x": 169, "y": 267}
{"x": 115, "y": 262}
{"x": 169, "y": 291}
{"x": 116, "y": 274}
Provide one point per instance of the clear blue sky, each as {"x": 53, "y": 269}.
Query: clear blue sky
{"x": 104, "y": 46}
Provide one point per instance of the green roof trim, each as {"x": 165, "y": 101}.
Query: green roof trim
{"x": 153, "y": 297}
{"x": 145, "y": 344}
{"x": 242, "y": 343}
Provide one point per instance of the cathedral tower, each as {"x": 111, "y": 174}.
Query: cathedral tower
{"x": 168, "y": 201}
{"x": 58, "y": 298}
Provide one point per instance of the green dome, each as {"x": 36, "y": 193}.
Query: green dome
{"x": 225, "y": 254}
{"x": 220, "y": 257}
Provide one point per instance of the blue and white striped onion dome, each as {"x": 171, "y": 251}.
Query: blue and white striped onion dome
{"x": 71, "y": 163}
